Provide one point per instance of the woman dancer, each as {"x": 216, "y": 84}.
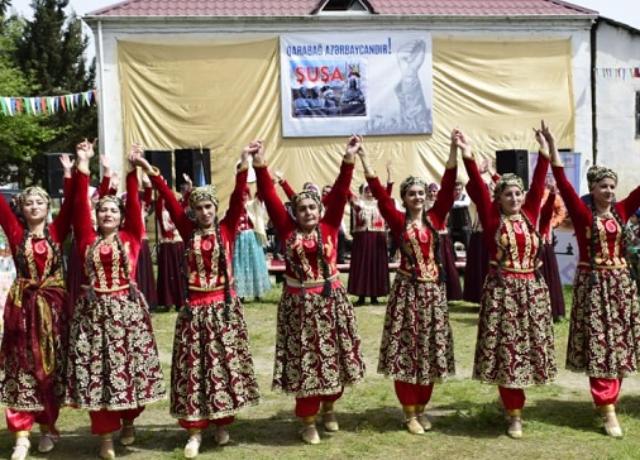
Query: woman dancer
{"x": 212, "y": 375}
{"x": 249, "y": 262}
{"x": 417, "y": 344}
{"x": 113, "y": 367}
{"x": 318, "y": 349}
{"x": 515, "y": 346}
{"x": 171, "y": 286}
{"x": 369, "y": 267}
{"x": 605, "y": 317}
{"x": 32, "y": 354}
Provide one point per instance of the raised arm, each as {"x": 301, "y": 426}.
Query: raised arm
{"x": 10, "y": 223}
{"x": 62, "y": 223}
{"x": 286, "y": 187}
{"x": 477, "y": 189}
{"x": 546, "y": 213}
{"x": 394, "y": 218}
{"x": 82, "y": 225}
{"x": 234, "y": 212}
{"x": 133, "y": 223}
{"x": 340, "y": 192}
{"x": 444, "y": 200}
{"x": 278, "y": 214}
{"x": 630, "y": 204}
{"x": 578, "y": 211}
{"x": 167, "y": 198}
{"x": 533, "y": 199}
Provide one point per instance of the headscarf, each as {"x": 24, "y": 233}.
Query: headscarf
{"x": 411, "y": 181}
{"x": 204, "y": 193}
{"x": 507, "y": 180}
{"x": 33, "y": 190}
{"x": 596, "y": 173}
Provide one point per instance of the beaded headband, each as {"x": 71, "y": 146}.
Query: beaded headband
{"x": 596, "y": 173}
{"x": 411, "y": 181}
{"x": 110, "y": 199}
{"x": 507, "y": 180}
{"x": 204, "y": 193}
{"x": 306, "y": 194}
{"x": 33, "y": 190}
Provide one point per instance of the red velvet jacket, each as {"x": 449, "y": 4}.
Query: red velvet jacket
{"x": 106, "y": 259}
{"x": 511, "y": 241}
{"x": 40, "y": 254}
{"x": 418, "y": 242}
{"x": 203, "y": 249}
{"x": 302, "y": 249}
{"x": 609, "y": 244}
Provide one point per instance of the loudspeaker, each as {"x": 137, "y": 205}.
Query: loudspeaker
{"x": 53, "y": 174}
{"x": 514, "y": 161}
{"x": 162, "y": 160}
{"x": 195, "y": 163}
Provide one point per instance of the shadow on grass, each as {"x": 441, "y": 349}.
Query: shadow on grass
{"x": 464, "y": 307}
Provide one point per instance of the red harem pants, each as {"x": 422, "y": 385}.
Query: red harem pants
{"x": 512, "y": 398}
{"x": 604, "y": 391}
{"x": 310, "y": 406}
{"x": 23, "y": 421}
{"x": 411, "y": 394}
{"x": 204, "y": 423}
{"x": 107, "y": 421}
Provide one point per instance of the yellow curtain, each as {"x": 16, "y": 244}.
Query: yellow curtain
{"x": 222, "y": 95}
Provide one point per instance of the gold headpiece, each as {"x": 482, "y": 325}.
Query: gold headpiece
{"x": 596, "y": 173}
{"x": 411, "y": 181}
{"x": 33, "y": 190}
{"x": 507, "y": 180}
{"x": 111, "y": 199}
{"x": 204, "y": 193}
{"x": 306, "y": 194}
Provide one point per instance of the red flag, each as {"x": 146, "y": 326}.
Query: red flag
{"x": 63, "y": 103}
{"x": 43, "y": 105}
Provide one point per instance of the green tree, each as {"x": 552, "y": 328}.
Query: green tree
{"x": 21, "y": 136}
{"x": 51, "y": 53}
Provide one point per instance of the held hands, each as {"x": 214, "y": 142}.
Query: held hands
{"x": 84, "y": 150}
{"x": 541, "y": 137}
{"x": 136, "y": 158}
{"x": 354, "y": 147}
{"x": 459, "y": 140}
{"x": 257, "y": 151}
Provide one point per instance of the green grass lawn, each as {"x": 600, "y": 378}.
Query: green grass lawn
{"x": 560, "y": 422}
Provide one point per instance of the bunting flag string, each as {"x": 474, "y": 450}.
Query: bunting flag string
{"x": 46, "y": 105}
{"x": 623, "y": 73}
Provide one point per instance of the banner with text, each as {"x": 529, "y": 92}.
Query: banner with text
{"x": 365, "y": 83}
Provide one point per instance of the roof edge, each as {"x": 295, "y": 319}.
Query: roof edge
{"x": 615, "y": 23}
{"x": 91, "y": 18}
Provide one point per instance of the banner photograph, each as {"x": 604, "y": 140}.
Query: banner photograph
{"x": 367, "y": 83}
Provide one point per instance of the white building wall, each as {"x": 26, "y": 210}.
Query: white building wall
{"x": 161, "y": 31}
{"x": 618, "y": 147}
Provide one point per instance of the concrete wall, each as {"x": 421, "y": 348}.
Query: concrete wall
{"x": 618, "y": 147}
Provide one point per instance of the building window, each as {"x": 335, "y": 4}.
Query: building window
{"x": 637, "y": 113}
{"x": 344, "y": 5}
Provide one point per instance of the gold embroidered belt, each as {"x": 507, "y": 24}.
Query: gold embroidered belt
{"x": 602, "y": 267}
{"x": 406, "y": 274}
{"x": 512, "y": 269}
{"x": 107, "y": 290}
{"x": 291, "y": 282}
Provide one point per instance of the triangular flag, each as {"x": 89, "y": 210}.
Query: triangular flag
{"x": 3, "y": 106}
{"x": 63, "y": 102}
{"x": 8, "y": 102}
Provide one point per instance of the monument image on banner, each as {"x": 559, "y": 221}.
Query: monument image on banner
{"x": 328, "y": 89}
{"x": 374, "y": 84}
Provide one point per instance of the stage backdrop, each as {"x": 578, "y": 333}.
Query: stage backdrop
{"x": 364, "y": 82}
{"x": 222, "y": 95}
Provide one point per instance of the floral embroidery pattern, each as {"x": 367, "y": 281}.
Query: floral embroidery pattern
{"x": 604, "y": 333}
{"x": 515, "y": 346}
{"x": 417, "y": 342}
{"x": 318, "y": 350}
{"x": 212, "y": 372}
{"x": 113, "y": 336}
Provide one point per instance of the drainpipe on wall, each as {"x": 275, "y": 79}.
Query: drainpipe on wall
{"x": 594, "y": 106}
{"x": 101, "y": 96}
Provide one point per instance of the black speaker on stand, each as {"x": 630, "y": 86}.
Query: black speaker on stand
{"x": 514, "y": 161}
{"x": 162, "y": 160}
{"x": 196, "y": 163}
{"x": 53, "y": 174}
